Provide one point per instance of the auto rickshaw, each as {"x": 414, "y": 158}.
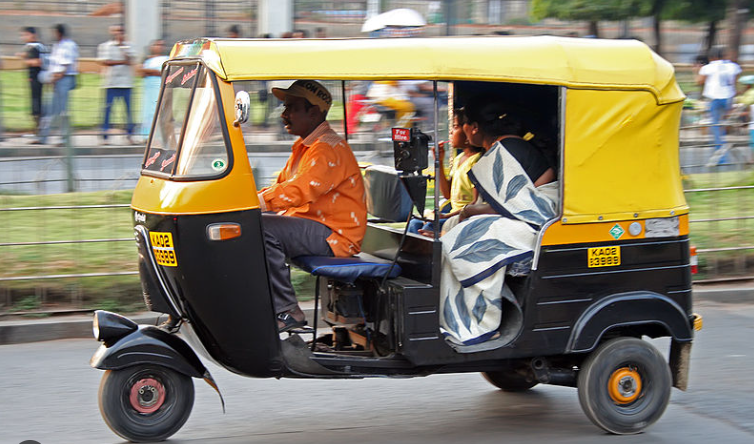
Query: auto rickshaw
{"x": 611, "y": 268}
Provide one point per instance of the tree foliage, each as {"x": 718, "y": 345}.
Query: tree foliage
{"x": 695, "y": 11}
{"x": 590, "y": 10}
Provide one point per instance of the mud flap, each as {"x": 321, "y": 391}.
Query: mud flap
{"x": 211, "y": 382}
{"x": 680, "y": 356}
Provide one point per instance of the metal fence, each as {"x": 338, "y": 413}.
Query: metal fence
{"x": 719, "y": 186}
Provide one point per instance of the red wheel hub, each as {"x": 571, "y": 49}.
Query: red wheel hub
{"x": 147, "y": 395}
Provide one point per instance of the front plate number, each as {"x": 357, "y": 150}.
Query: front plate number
{"x": 163, "y": 248}
{"x": 603, "y": 257}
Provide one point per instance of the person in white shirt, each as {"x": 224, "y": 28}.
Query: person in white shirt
{"x": 64, "y": 61}
{"x": 117, "y": 56}
{"x": 719, "y": 80}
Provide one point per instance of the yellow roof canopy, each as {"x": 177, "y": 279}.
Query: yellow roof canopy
{"x": 571, "y": 62}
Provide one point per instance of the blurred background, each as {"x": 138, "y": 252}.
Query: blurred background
{"x": 67, "y": 245}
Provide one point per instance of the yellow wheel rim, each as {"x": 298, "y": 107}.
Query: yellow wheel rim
{"x": 624, "y": 385}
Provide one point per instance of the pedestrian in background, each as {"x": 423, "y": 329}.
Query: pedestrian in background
{"x": 117, "y": 56}
{"x": 32, "y": 56}
{"x": 234, "y": 32}
{"x": 151, "y": 71}
{"x": 719, "y": 80}
{"x": 64, "y": 61}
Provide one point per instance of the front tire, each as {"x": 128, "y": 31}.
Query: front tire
{"x": 624, "y": 386}
{"x": 145, "y": 402}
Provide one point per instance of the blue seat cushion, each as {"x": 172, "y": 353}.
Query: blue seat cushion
{"x": 346, "y": 269}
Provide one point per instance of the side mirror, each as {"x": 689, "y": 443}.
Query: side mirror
{"x": 243, "y": 105}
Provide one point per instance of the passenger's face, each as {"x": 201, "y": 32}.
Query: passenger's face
{"x": 457, "y": 136}
{"x": 297, "y": 119}
{"x": 473, "y": 135}
{"x": 27, "y": 37}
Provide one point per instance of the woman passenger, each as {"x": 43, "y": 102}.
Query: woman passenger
{"x": 490, "y": 124}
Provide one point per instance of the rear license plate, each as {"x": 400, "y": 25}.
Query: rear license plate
{"x": 163, "y": 248}
{"x": 603, "y": 257}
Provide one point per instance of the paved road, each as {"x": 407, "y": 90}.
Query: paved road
{"x": 49, "y": 395}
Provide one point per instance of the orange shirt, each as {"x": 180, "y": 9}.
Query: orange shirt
{"x": 321, "y": 181}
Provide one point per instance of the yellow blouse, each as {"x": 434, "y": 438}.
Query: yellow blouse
{"x": 461, "y": 188}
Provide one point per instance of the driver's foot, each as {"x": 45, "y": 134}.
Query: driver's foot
{"x": 293, "y": 318}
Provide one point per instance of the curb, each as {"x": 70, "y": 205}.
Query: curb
{"x": 26, "y": 331}
{"x": 725, "y": 295}
{"x": 75, "y": 327}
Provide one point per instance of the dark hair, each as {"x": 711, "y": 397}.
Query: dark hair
{"x": 234, "y": 29}
{"x": 492, "y": 115}
{"x": 717, "y": 53}
{"x": 60, "y": 28}
{"x": 29, "y": 29}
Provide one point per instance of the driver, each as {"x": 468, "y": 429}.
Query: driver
{"x": 316, "y": 206}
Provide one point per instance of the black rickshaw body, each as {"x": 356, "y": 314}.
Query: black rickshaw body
{"x": 613, "y": 264}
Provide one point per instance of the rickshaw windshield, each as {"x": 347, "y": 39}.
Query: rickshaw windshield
{"x": 187, "y": 140}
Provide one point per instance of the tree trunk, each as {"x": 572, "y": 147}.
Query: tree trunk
{"x": 709, "y": 40}
{"x": 737, "y": 14}
{"x": 594, "y": 28}
{"x": 657, "y": 7}
{"x": 658, "y": 34}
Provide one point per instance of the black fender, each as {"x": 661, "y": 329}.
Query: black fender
{"x": 149, "y": 345}
{"x": 625, "y": 310}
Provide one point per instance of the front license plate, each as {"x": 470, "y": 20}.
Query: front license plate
{"x": 163, "y": 248}
{"x": 603, "y": 257}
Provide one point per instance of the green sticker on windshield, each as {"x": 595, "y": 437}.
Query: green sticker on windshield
{"x": 218, "y": 164}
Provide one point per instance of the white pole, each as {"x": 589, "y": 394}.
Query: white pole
{"x": 275, "y": 17}
{"x": 143, "y": 24}
{"x": 373, "y": 8}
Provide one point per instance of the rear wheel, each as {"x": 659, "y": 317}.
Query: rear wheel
{"x": 511, "y": 380}
{"x": 624, "y": 386}
{"x": 145, "y": 402}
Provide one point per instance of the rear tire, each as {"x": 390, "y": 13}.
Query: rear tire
{"x": 624, "y": 386}
{"x": 145, "y": 402}
{"x": 510, "y": 380}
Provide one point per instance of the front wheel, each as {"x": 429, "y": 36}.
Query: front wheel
{"x": 145, "y": 402}
{"x": 624, "y": 386}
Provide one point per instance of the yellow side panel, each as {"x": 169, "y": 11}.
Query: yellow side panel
{"x": 620, "y": 157}
{"x": 160, "y": 196}
{"x": 565, "y": 234}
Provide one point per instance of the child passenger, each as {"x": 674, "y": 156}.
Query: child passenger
{"x": 456, "y": 187}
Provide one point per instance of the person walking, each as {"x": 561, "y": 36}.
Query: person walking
{"x": 117, "y": 56}
{"x": 64, "y": 59}
{"x": 151, "y": 71}
{"x": 719, "y": 80}
{"x": 32, "y": 56}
